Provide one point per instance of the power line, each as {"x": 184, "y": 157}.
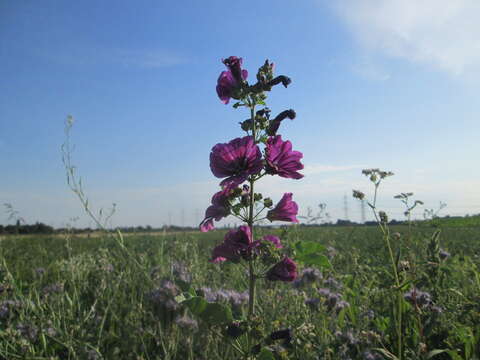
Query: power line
{"x": 362, "y": 210}
{"x": 345, "y": 206}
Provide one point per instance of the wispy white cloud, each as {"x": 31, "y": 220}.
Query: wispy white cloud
{"x": 369, "y": 70}
{"x": 442, "y": 33}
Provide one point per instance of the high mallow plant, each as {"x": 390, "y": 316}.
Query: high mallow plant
{"x": 241, "y": 163}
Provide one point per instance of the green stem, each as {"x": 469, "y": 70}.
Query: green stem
{"x": 386, "y": 235}
{"x": 252, "y": 278}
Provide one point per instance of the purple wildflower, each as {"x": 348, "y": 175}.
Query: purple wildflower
{"x": 40, "y": 271}
{"x": 92, "y": 354}
{"x": 342, "y": 304}
{"x": 238, "y": 299}
{"x": 186, "y": 323}
{"x": 332, "y": 300}
{"x": 236, "y": 244}
{"x": 165, "y": 295}
{"x": 285, "y": 210}
{"x": 348, "y": 337}
{"x": 219, "y": 209}
{"x": 274, "y": 240}
{"x": 207, "y": 293}
{"x": 52, "y": 289}
{"x": 28, "y": 332}
{"x": 234, "y": 64}
{"x": 230, "y": 80}
{"x": 310, "y": 275}
{"x": 281, "y": 159}
{"x": 312, "y": 303}
{"x": 443, "y": 254}
{"x": 9, "y": 306}
{"x": 324, "y": 292}
{"x": 235, "y": 298}
{"x": 331, "y": 252}
{"x": 333, "y": 283}
{"x": 50, "y": 331}
{"x": 418, "y": 298}
{"x": 180, "y": 272}
{"x": 370, "y": 314}
{"x": 275, "y": 123}
{"x": 369, "y": 355}
{"x": 236, "y": 160}
{"x": 285, "y": 270}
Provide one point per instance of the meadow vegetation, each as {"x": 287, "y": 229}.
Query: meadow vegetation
{"x": 100, "y": 299}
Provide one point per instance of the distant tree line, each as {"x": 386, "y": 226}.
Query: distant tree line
{"x": 23, "y": 229}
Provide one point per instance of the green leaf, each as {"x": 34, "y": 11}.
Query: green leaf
{"x": 216, "y": 314}
{"x": 387, "y": 353}
{"x": 318, "y": 260}
{"x": 308, "y": 247}
{"x": 180, "y": 298}
{"x": 265, "y": 354}
{"x": 196, "y": 305}
{"x": 454, "y": 355}
{"x": 435, "y": 352}
{"x": 192, "y": 292}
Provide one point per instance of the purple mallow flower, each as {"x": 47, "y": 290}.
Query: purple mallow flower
{"x": 274, "y": 240}
{"x": 219, "y": 209}
{"x": 281, "y": 159}
{"x": 235, "y": 161}
{"x": 285, "y": 210}
{"x": 236, "y": 244}
{"x": 230, "y": 80}
{"x": 285, "y": 270}
{"x": 285, "y": 335}
{"x": 275, "y": 123}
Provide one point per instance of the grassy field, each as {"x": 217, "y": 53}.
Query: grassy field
{"x": 106, "y": 298}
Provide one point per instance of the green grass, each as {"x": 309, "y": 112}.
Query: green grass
{"x": 101, "y": 306}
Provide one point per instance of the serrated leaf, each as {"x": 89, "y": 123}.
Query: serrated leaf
{"x": 180, "y": 298}
{"x": 192, "y": 292}
{"x": 216, "y": 314}
{"x": 318, "y": 260}
{"x": 265, "y": 354}
{"x": 196, "y": 305}
{"x": 308, "y": 247}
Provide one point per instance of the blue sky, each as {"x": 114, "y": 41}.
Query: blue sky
{"x": 387, "y": 86}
